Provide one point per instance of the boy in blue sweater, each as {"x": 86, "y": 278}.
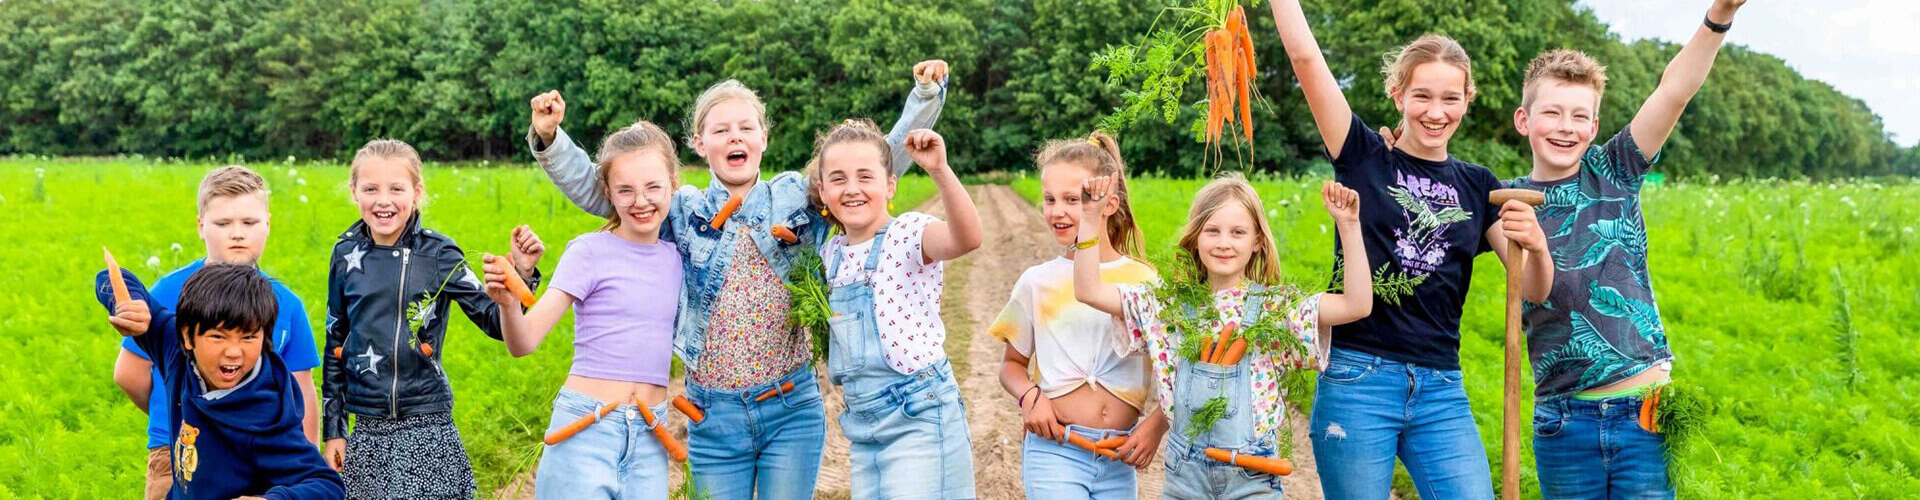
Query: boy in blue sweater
{"x": 236, "y": 413}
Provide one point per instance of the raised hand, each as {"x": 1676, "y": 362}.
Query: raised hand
{"x": 1342, "y": 203}
{"x": 493, "y": 270}
{"x": 930, "y": 71}
{"x": 527, "y": 250}
{"x": 548, "y": 110}
{"x": 1095, "y": 194}
{"x": 131, "y": 318}
{"x": 927, "y": 149}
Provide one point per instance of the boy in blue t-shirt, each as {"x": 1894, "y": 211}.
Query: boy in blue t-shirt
{"x": 234, "y": 409}
{"x": 233, "y": 222}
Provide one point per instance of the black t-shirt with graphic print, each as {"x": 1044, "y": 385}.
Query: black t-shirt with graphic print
{"x": 1422, "y": 220}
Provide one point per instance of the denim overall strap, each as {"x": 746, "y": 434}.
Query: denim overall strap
{"x": 853, "y": 348}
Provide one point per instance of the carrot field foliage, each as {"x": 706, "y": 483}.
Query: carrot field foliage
{"x": 1791, "y": 303}
{"x": 68, "y": 432}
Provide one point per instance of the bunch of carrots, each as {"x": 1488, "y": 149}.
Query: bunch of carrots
{"x": 1230, "y": 71}
{"x": 1224, "y": 350}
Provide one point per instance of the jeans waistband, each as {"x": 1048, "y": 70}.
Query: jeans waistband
{"x": 915, "y": 392}
{"x": 747, "y": 396}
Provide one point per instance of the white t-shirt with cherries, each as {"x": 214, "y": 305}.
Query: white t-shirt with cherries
{"x": 906, "y": 291}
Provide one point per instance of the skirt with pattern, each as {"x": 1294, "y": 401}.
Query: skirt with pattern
{"x": 413, "y": 457}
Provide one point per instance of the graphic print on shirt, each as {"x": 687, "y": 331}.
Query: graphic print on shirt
{"x": 1429, "y": 207}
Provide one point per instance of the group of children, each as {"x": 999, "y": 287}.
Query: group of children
{"x": 1110, "y": 361}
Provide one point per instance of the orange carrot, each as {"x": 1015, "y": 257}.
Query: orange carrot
{"x": 675, "y": 449}
{"x": 1270, "y": 465}
{"x": 687, "y": 408}
{"x": 784, "y": 234}
{"x": 574, "y": 428}
{"x": 720, "y": 219}
{"x": 774, "y": 392}
{"x": 1649, "y": 412}
{"x": 119, "y": 283}
{"x": 1234, "y": 352}
{"x": 1220, "y": 345}
{"x": 514, "y": 283}
{"x": 1110, "y": 443}
{"x": 1088, "y": 445}
{"x": 426, "y": 349}
{"x": 336, "y": 352}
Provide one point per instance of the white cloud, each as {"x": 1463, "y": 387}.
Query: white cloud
{"x": 1868, "y": 49}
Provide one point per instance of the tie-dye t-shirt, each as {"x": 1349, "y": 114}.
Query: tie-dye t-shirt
{"x": 1266, "y": 364}
{"x": 1600, "y": 325}
{"x": 1421, "y": 220}
{"x": 1070, "y": 344}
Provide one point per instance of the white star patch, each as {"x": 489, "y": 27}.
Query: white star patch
{"x": 353, "y": 258}
{"x": 426, "y": 315}
{"x": 373, "y": 361}
{"x": 466, "y": 278}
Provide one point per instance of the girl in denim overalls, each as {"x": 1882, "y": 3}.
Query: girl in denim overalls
{"x": 903, "y": 411}
{"x": 1231, "y": 402}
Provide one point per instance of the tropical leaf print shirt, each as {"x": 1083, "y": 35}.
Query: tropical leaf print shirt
{"x": 1600, "y": 325}
{"x": 1267, "y": 364}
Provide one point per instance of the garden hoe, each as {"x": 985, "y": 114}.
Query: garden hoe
{"x": 1510, "y": 429}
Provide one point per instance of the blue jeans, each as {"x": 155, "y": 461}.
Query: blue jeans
{"x": 1367, "y": 410}
{"x": 1054, "y": 470}
{"x": 746, "y": 446}
{"x": 1597, "y": 450}
{"x": 616, "y": 457}
{"x": 910, "y": 441}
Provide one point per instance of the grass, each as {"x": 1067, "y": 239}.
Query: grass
{"x": 1750, "y": 277}
{"x": 70, "y": 433}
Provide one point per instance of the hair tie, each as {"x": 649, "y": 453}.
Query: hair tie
{"x": 1095, "y": 141}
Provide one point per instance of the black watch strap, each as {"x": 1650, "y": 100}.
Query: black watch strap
{"x": 1716, "y": 27}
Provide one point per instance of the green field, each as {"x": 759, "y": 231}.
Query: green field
{"x": 1746, "y": 276}
{"x": 70, "y": 433}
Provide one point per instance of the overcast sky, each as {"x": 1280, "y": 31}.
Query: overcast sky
{"x": 1869, "y": 49}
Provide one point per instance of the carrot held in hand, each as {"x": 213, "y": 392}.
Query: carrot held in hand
{"x": 119, "y": 283}
{"x": 1082, "y": 442}
{"x": 514, "y": 283}
{"x": 578, "y": 425}
{"x": 687, "y": 408}
{"x": 675, "y": 449}
{"x": 1270, "y": 465}
{"x": 720, "y": 218}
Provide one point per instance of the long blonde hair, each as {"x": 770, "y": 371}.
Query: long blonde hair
{"x": 641, "y": 136}
{"x": 1100, "y": 155}
{"x": 719, "y": 93}
{"x": 1229, "y": 190}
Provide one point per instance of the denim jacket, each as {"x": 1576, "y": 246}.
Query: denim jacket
{"x": 708, "y": 253}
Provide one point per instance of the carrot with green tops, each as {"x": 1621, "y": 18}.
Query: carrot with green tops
{"x": 119, "y": 283}
{"x": 1221, "y": 344}
{"x": 1234, "y": 353}
{"x": 720, "y": 218}
{"x": 675, "y": 449}
{"x": 687, "y": 408}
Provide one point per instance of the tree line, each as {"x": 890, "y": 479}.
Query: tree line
{"x": 316, "y": 78}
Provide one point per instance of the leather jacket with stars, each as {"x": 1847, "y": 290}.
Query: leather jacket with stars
{"x": 387, "y": 312}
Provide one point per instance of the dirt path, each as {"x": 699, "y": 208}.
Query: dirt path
{"x": 977, "y": 288}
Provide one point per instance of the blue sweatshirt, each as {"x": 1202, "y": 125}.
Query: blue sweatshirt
{"x": 246, "y": 440}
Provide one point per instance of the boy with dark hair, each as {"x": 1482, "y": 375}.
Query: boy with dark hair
{"x": 236, "y": 413}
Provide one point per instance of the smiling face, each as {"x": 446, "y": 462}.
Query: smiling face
{"x": 1431, "y": 105}
{"x": 224, "y": 356}
{"x": 855, "y": 185}
{"x": 732, "y": 140}
{"x": 1560, "y": 124}
{"x": 235, "y": 228}
{"x": 1227, "y": 241}
{"x": 1060, "y": 199}
{"x": 385, "y": 190}
{"x": 640, "y": 185}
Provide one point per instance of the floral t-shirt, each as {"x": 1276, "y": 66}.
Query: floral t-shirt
{"x": 1267, "y": 364}
{"x": 748, "y": 341}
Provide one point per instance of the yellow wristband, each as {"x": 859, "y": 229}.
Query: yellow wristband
{"x": 1086, "y": 244}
